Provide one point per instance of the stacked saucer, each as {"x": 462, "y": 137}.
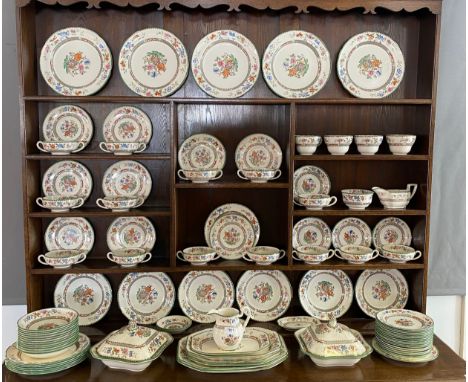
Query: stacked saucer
{"x": 404, "y": 335}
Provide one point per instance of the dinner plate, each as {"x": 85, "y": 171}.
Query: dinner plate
{"x": 311, "y": 180}
{"x": 127, "y": 124}
{"x": 201, "y": 152}
{"x": 370, "y": 65}
{"x": 127, "y": 178}
{"x": 146, "y": 296}
{"x": 311, "y": 231}
{"x": 75, "y": 61}
{"x": 69, "y": 234}
{"x": 67, "y": 178}
{"x": 351, "y": 231}
{"x": 391, "y": 230}
{"x": 131, "y": 232}
{"x": 90, "y": 294}
{"x": 153, "y": 62}
{"x": 267, "y": 294}
{"x": 403, "y": 358}
{"x": 326, "y": 294}
{"x": 201, "y": 291}
{"x": 258, "y": 152}
{"x": 296, "y": 64}
{"x": 225, "y": 64}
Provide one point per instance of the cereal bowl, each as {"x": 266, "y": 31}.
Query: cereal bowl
{"x": 357, "y": 199}
{"x": 199, "y": 176}
{"x": 316, "y": 201}
{"x": 264, "y": 255}
{"x": 368, "y": 144}
{"x": 60, "y": 148}
{"x": 312, "y": 254}
{"x": 399, "y": 253}
{"x": 338, "y": 144}
{"x": 307, "y": 144}
{"x": 197, "y": 255}
{"x": 259, "y": 176}
{"x": 129, "y": 257}
{"x": 400, "y": 144}
{"x": 356, "y": 254}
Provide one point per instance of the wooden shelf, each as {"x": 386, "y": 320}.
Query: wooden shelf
{"x": 90, "y": 212}
{"x": 359, "y": 157}
{"x": 229, "y": 184}
{"x": 366, "y": 212}
{"x": 99, "y": 156}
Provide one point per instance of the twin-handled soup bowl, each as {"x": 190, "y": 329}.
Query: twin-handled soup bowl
{"x": 62, "y": 258}
{"x": 59, "y": 203}
{"x": 399, "y": 254}
{"x": 199, "y": 176}
{"x": 316, "y": 201}
{"x": 357, "y": 199}
{"x": 259, "y": 176}
{"x": 120, "y": 203}
{"x": 129, "y": 257}
{"x": 197, "y": 255}
{"x": 60, "y": 148}
{"x": 122, "y": 148}
{"x": 312, "y": 254}
{"x": 356, "y": 254}
{"x": 264, "y": 255}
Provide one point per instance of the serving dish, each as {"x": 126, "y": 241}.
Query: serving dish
{"x": 293, "y": 323}
{"x": 174, "y": 324}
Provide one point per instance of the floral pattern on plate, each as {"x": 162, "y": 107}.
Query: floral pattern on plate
{"x": 405, "y": 319}
{"x": 67, "y": 178}
{"x": 69, "y": 234}
{"x": 201, "y": 291}
{"x": 131, "y": 232}
{"x": 257, "y": 152}
{"x": 311, "y": 180}
{"x": 127, "y": 124}
{"x": 127, "y": 178}
{"x": 311, "y": 231}
{"x": 225, "y": 64}
{"x": 296, "y": 64}
{"x": 153, "y": 62}
{"x": 75, "y": 61}
{"x": 351, "y": 231}
{"x": 267, "y": 294}
{"x": 391, "y": 230}
{"x": 201, "y": 152}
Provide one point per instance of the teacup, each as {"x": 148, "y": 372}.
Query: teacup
{"x": 399, "y": 254}
{"x": 62, "y": 258}
{"x": 60, "y": 148}
{"x": 197, "y": 255}
{"x": 400, "y": 144}
{"x": 316, "y": 201}
{"x": 307, "y": 144}
{"x": 259, "y": 176}
{"x": 59, "y": 203}
{"x": 120, "y": 203}
{"x": 338, "y": 144}
{"x": 264, "y": 255}
{"x": 129, "y": 257}
{"x": 200, "y": 176}
{"x": 312, "y": 254}
{"x": 357, "y": 199}
{"x": 356, "y": 254}
{"x": 368, "y": 144}
{"x": 122, "y": 148}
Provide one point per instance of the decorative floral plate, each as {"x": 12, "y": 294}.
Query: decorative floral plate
{"x": 90, "y": 294}
{"x": 146, "y": 296}
{"x": 127, "y": 124}
{"x": 407, "y": 320}
{"x": 370, "y": 65}
{"x": 127, "y": 178}
{"x": 69, "y": 234}
{"x": 311, "y": 231}
{"x": 131, "y": 232}
{"x": 153, "y": 62}
{"x": 267, "y": 294}
{"x": 381, "y": 289}
{"x": 201, "y": 291}
{"x": 75, "y": 61}
{"x": 391, "y": 230}
{"x": 351, "y": 231}
{"x": 258, "y": 152}
{"x": 202, "y": 152}
{"x": 225, "y": 64}
{"x": 311, "y": 180}
{"x": 67, "y": 178}
{"x": 294, "y": 323}
{"x": 326, "y": 294}
{"x": 296, "y": 64}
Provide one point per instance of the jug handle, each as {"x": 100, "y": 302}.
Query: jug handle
{"x": 248, "y": 313}
{"x": 414, "y": 186}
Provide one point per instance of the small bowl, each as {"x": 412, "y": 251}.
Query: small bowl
{"x": 259, "y": 176}
{"x": 338, "y": 144}
{"x": 315, "y": 202}
{"x": 197, "y": 255}
{"x": 174, "y": 324}
{"x": 119, "y": 203}
{"x": 312, "y": 254}
{"x": 122, "y": 148}
{"x": 264, "y": 255}
{"x": 357, "y": 199}
{"x": 129, "y": 257}
{"x": 307, "y": 144}
{"x": 356, "y": 254}
{"x": 200, "y": 176}
{"x": 368, "y": 144}
{"x": 400, "y": 144}
{"x": 399, "y": 254}
{"x": 60, "y": 148}
{"x": 62, "y": 258}
{"x": 59, "y": 203}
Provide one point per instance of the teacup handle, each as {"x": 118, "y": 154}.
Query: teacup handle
{"x": 40, "y": 146}
{"x": 110, "y": 256}
{"x": 240, "y": 175}
{"x": 139, "y": 202}
{"x": 338, "y": 254}
{"x": 141, "y": 147}
{"x": 246, "y": 257}
{"x": 282, "y": 254}
{"x": 413, "y": 186}
{"x": 102, "y": 146}
{"x": 375, "y": 254}
{"x": 294, "y": 252}
{"x": 147, "y": 257}
{"x": 218, "y": 175}
{"x": 181, "y": 175}
{"x": 418, "y": 255}
{"x": 277, "y": 175}
{"x": 41, "y": 258}
{"x": 81, "y": 202}
{"x": 81, "y": 258}
{"x": 331, "y": 253}
{"x": 80, "y": 147}
{"x": 180, "y": 256}
{"x": 333, "y": 201}
{"x": 39, "y": 202}
{"x": 100, "y": 203}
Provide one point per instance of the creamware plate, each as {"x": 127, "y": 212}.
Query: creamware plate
{"x": 131, "y": 232}
{"x": 201, "y": 152}
{"x": 311, "y": 231}
{"x": 351, "y": 231}
{"x": 69, "y": 234}
{"x": 127, "y": 178}
{"x": 127, "y": 124}
{"x": 310, "y": 180}
{"x": 258, "y": 152}
{"x": 391, "y": 230}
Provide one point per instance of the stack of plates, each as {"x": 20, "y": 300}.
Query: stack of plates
{"x": 404, "y": 335}
{"x": 261, "y": 349}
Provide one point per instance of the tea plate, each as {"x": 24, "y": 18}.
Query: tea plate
{"x": 225, "y": 64}
{"x": 296, "y": 64}
{"x": 127, "y": 124}
{"x": 146, "y": 296}
{"x": 68, "y": 123}
{"x": 311, "y": 231}
{"x": 67, "y": 178}
{"x": 127, "y": 178}
{"x": 381, "y": 289}
{"x": 267, "y": 294}
{"x": 153, "y": 62}
{"x": 311, "y": 180}
{"x": 351, "y": 231}
{"x": 75, "y": 61}
{"x": 131, "y": 232}
{"x": 257, "y": 152}
{"x": 391, "y": 230}
{"x": 174, "y": 324}
{"x": 294, "y": 323}
{"x": 370, "y": 65}
{"x": 90, "y": 294}
{"x": 69, "y": 234}
{"x": 201, "y": 152}
{"x": 326, "y": 294}
{"x": 201, "y": 291}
